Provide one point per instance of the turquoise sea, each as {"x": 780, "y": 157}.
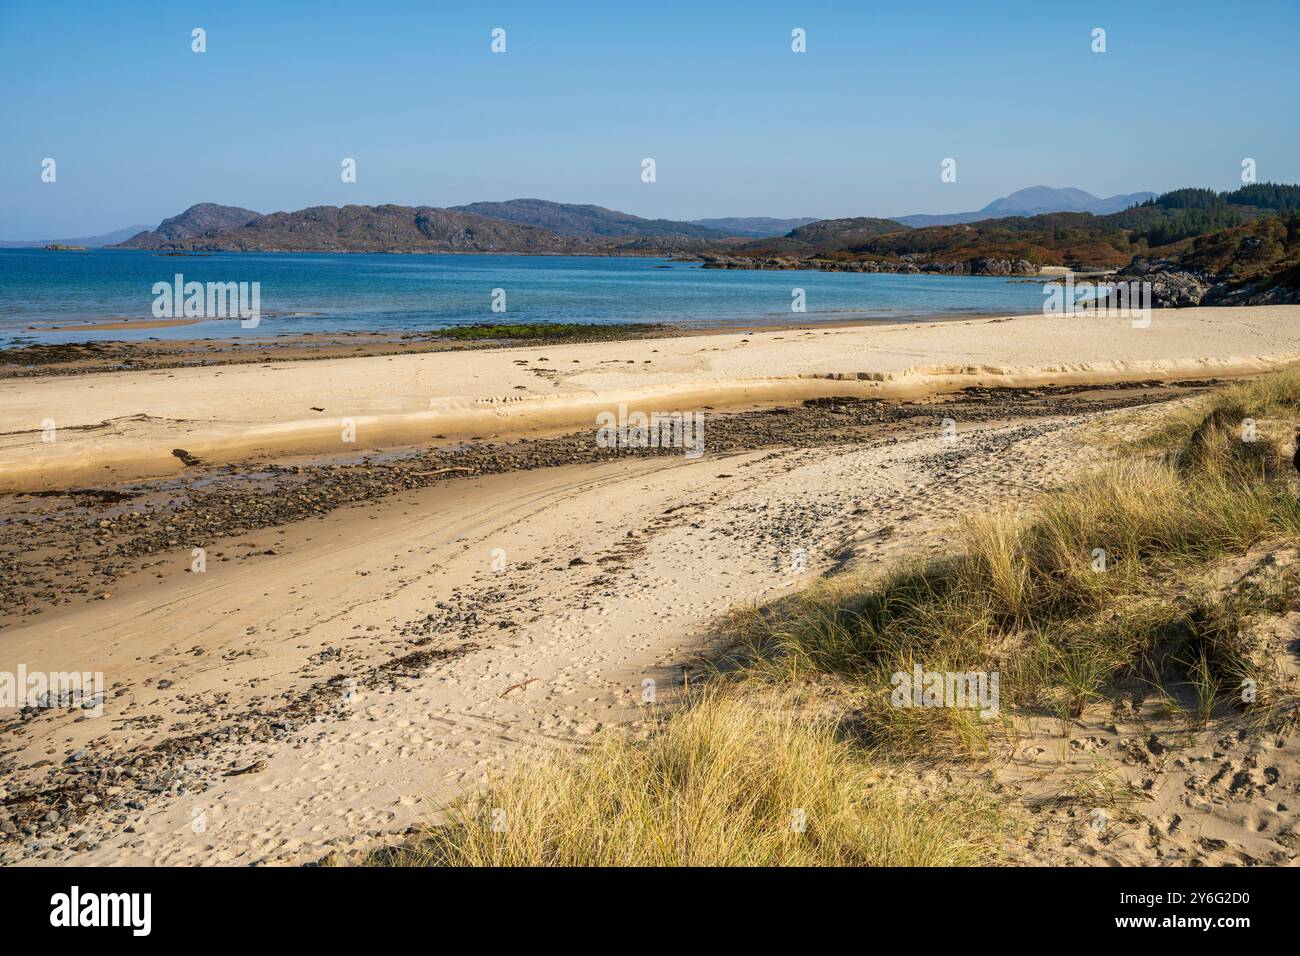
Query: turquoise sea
{"x": 402, "y": 293}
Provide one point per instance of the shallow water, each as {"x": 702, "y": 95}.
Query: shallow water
{"x": 394, "y": 293}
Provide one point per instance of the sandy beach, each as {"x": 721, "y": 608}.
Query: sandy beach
{"x": 378, "y": 625}
{"x": 447, "y": 449}
{"x": 128, "y": 425}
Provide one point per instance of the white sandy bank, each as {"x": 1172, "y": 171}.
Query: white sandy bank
{"x": 113, "y": 425}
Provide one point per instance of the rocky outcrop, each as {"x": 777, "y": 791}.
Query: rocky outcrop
{"x": 981, "y": 266}
{"x": 1174, "y": 290}
{"x": 1175, "y": 287}
{"x": 1171, "y": 286}
{"x": 1252, "y": 293}
{"x": 984, "y": 266}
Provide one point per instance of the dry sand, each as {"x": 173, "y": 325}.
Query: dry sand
{"x": 614, "y": 575}
{"x": 107, "y": 427}
{"x": 336, "y": 680}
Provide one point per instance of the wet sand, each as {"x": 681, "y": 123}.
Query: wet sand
{"x": 56, "y": 431}
{"x": 116, "y": 325}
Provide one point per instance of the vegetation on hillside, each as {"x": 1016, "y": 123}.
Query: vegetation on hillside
{"x": 1160, "y": 227}
{"x": 1266, "y": 251}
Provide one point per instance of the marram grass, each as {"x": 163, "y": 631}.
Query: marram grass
{"x": 725, "y": 781}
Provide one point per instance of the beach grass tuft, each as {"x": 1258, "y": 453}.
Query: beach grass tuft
{"x": 721, "y": 782}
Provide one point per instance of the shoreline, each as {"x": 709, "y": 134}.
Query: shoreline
{"x": 27, "y": 357}
{"x": 128, "y": 424}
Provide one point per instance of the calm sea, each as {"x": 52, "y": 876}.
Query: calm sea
{"x": 398, "y": 293}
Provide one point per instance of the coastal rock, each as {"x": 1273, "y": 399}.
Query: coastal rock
{"x": 1176, "y": 290}
{"x": 1251, "y": 293}
{"x": 988, "y": 266}
{"x": 1180, "y": 289}
{"x": 908, "y": 265}
{"x": 1171, "y": 288}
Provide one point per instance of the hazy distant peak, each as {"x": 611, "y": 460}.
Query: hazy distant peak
{"x": 89, "y": 242}
{"x": 1035, "y": 201}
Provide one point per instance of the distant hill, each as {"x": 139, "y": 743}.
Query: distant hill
{"x": 752, "y": 227}
{"x": 89, "y": 242}
{"x": 198, "y": 220}
{"x": 347, "y": 229}
{"x": 583, "y": 221}
{"x": 846, "y": 230}
{"x": 1174, "y": 226}
{"x": 1265, "y": 251}
{"x": 1035, "y": 201}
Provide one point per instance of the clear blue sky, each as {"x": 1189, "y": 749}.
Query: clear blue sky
{"x": 141, "y": 127}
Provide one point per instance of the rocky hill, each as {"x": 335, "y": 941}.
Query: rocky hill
{"x": 1253, "y": 264}
{"x": 584, "y": 221}
{"x": 833, "y": 233}
{"x": 362, "y": 229}
{"x": 199, "y": 220}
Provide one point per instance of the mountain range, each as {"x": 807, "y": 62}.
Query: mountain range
{"x": 1145, "y": 227}
{"x": 564, "y": 221}
{"x": 1034, "y": 201}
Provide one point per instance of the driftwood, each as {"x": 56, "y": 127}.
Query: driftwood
{"x": 257, "y": 767}
{"x": 522, "y": 684}
{"x": 441, "y": 471}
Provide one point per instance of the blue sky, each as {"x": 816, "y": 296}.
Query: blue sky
{"x": 141, "y": 127}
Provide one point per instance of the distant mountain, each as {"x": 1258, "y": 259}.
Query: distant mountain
{"x": 198, "y": 220}
{"x": 89, "y": 242}
{"x": 349, "y": 229}
{"x": 1035, "y": 201}
{"x": 584, "y": 222}
{"x": 752, "y": 227}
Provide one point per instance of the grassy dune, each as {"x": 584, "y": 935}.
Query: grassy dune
{"x": 1103, "y": 583}
{"x": 723, "y": 782}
